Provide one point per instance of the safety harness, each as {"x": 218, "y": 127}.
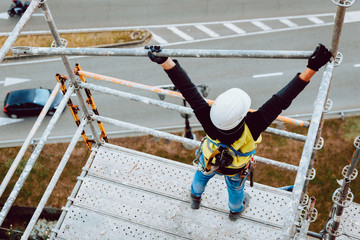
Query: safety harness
{"x": 224, "y": 159}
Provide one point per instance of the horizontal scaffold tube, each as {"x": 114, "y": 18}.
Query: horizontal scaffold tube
{"x": 173, "y": 137}
{"x": 170, "y": 93}
{"x": 136, "y": 98}
{"x": 175, "y": 107}
{"x": 140, "y": 52}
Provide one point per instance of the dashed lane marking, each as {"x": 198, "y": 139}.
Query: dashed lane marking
{"x": 316, "y": 20}
{"x": 288, "y": 23}
{"x": 262, "y": 25}
{"x": 159, "y": 39}
{"x": 206, "y": 30}
{"x": 180, "y": 33}
{"x": 234, "y": 28}
{"x": 357, "y": 65}
{"x": 353, "y": 16}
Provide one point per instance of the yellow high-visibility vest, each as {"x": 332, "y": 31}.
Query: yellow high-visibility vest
{"x": 245, "y": 144}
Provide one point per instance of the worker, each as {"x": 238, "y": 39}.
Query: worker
{"x": 232, "y": 132}
{"x": 18, "y": 6}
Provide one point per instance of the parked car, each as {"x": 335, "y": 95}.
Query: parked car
{"x": 29, "y": 102}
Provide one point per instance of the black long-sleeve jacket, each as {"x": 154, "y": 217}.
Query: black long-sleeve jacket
{"x": 257, "y": 121}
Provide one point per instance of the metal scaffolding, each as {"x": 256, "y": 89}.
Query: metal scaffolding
{"x": 301, "y": 211}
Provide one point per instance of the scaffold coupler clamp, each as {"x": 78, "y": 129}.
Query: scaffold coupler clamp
{"x": 41, "y": 2}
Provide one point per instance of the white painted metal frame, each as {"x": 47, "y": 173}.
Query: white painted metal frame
{"x": 104, "y": 172}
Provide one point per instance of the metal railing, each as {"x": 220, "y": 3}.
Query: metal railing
{"x": 313, "y": 136}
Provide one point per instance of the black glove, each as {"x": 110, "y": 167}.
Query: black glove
{"x": 157, "y": 49}
{"x": 319, "y": 58}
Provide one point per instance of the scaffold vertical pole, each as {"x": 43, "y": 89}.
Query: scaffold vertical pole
{"x": 338, "y": 22}
{"x": 307, "y": 218}
{"x": 342, "y": 197}
{"x": 59, "y": 43}
{"x": 293, "y": 216}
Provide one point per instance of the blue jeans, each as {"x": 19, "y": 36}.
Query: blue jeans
{"x": 236, "y": 192}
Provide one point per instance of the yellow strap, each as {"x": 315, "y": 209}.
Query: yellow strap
{"x": 208, "y": 161}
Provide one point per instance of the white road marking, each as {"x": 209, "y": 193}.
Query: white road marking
{"x": 180, "y": 33}
{"x": 175, "y": 25}
{"x": 316, "y": 20}
{"x": 234, "y": 28}
{"x": 4, "y": 15}
{"x": 357, "y": 65}
{"x": 353, "y": 16}
{"x": 207, "y": 30}
{"x": 288, "y": 23}
{"x": 261, "y": 25}
{"x": 159, "y": 39}
{"x": 37, "y": 15}
{"x": 11, "y": 81}
{"x": 6, "y": 121}
{"x": 268, "y": 75}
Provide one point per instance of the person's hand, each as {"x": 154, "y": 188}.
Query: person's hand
{"x": 319, "y": 58}
{"x": 157, "y": 49}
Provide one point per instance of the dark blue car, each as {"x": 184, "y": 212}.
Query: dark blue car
{"x": 29, "y": 102}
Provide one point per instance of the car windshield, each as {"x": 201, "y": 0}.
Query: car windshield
{"x": 41, "y": 96}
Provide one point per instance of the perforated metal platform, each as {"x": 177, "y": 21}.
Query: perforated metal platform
{"x": 350, "y": 223}
{"x": 132, "y": 195}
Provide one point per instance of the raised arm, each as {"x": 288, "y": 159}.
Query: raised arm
{"x": 183, "y": 83}
{"x": 258, "y": 121}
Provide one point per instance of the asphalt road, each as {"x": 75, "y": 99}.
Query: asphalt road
{"x": 259, "y": 77}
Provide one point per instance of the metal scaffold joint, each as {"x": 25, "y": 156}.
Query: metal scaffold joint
{"x": 319, "y": 144}
{"x": 338, "y": 59}
{"x": 328, "y": 105}
{"x": 330, "y": 230}
{"x": 337, "y": 198}
{"x": 345, "y": 172}
{"x": 64, "y": 43}
{"x": 306, "y": 214}
{"x": 41, "y": 2}
{"x": 311, "y": 175}
{"x": 344, "y": 3}
{"x": 357, "y": 142}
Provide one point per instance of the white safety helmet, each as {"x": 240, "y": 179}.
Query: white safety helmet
{"x": 230, "y": 108}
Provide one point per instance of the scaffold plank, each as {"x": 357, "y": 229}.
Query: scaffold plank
{"x": 351, "y": 221}
{"x": 144, "y": 196}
